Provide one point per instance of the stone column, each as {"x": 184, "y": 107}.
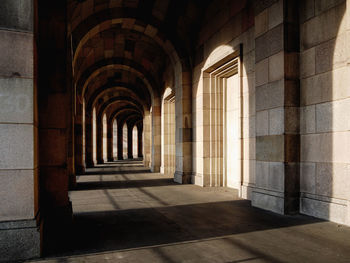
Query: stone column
{"x": 20, "y": 228}
{"x": 183, "y": 108}
{"x": 99, "y": 140}
{"x": 171, "y": 132}
{"x": 130, "y": 156}
{"x": 165, "y": 138}
{"x": 156, "y": 138}
{"x": 88, "y": 139}
{"x": 147, "y": 139}
{"x": 120, "y": 141}
{"x": 78, "y": 134}
{"x": 139, "y": 141}
{"x": 110, "y": 141}
{"x": 277, "y": 107}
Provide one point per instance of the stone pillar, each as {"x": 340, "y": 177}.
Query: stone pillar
{"x": 168, "y": 138}
{"x": 156, "y": 137}
{"x": 139, "y": 141}
{"x": 20, "y": 227}
{"x": 110, "y": 141}
{"x": 277, "y": 107}
{"x": 183, "y": 108}
{"x": 99, "y": 140}
{"x": 55, "y": 117}
{"x": 130, "y": 156}
{"x": 78, "y": 134}
{"x": 171, "y": 137}
{"x": 120, "y": 141}
{"x": 88, "y": 139}
{"x": 147, "y": 139}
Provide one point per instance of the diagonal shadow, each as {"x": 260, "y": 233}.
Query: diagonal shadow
{"x": 95, "y": 185}
{"x": 135, "y": 228}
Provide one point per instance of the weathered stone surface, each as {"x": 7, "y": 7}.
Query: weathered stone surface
{"x": 16, "y": 100}
{"x": 276, "y": 14}
{"x": 262, "y": 174}
{"x": 308, "y": 178}
{"x": 261, "y": 23}
{"x": 326, "y": 147}
{"x": 324, "y": 56}
{"x": 323, "y": 209}
{"x": 268, "y": 202}
{"x": 307, "y": 63}
{"x": 292, "y": 120}
{"x": 323, "y": 5}
{"x": 331, "y": 180}
{"x": 307, "y": 119}
{"x": 17, "y": 61}
{"x": 276, "y": 67}
{"x": 17, "y": 146}
{"x": 262, "y": 4}
{"x": 17, "y": 14}
{"x": 262, "y": 123}
{"x": 307, "y": 10}
{"x": 270, "y": 148}
{"x": 276, "y": 176}
{"x": 17, "y": 193}
{"x": 268, "y": 44}
{"x": 19, "y": 240}
{"x": 262, "y": 72}
{"x": 276, "y": 121}
{"x": 332, "y": 116}
{"x": 322, "y": 28}
{"x": 270, "y": 95}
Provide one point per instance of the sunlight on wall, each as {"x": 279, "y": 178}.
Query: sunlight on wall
{"x": 104, "y": 123}
{"x": 115, "y": 140}
{"x": 134, "y": 142}
{"x": 94, "y": 135}
{"x": 83, "y": 124}
{"x": 125, "y": 142}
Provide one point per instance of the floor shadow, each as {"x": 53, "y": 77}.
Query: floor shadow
{"x": 125, "y": 229}
{"x": 123, "y": 184}
{"x": 116, "y": 171}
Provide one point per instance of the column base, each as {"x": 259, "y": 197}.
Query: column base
{"x": 155, "y": 169}
{"x": 268, "y": 200}
{"x": 110, "y": 159}
{"x": 182, "y": 177}
{"x": 20, "y": 240}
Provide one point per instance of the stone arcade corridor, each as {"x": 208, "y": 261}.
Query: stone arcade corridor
{"x": 175, "y": 130}
{"x": 124, "y": 213}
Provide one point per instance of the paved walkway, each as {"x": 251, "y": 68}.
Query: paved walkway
{"x": 124, "y": 213}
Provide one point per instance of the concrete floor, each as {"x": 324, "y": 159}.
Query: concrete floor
{"x": 123, "y": 213}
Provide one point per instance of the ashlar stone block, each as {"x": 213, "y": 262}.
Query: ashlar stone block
{"x": 276, "y": 67}
{"x": 17, "y": 146}
{"x": 308, "y": 178}
{"x": 16, "y": 100}
{"x": 17, "y": 194}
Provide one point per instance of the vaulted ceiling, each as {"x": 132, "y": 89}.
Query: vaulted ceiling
{"x": 122, "y": 50}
